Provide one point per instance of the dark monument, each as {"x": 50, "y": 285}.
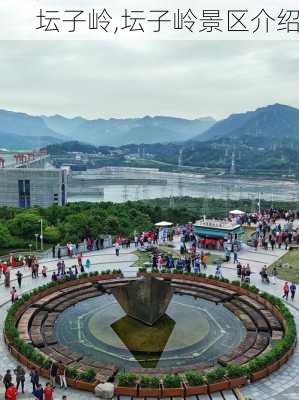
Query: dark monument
{"x": 145, "y": 299}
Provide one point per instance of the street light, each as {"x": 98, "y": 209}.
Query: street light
{"x": 30, "y": 248}
{"x": 41, "y": 236}
{"x": 36, "y": 237}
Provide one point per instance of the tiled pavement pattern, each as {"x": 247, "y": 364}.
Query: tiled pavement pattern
{"x": 282, "y": 385}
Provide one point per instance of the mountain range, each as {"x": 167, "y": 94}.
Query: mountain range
{"x": 274, "y": 123}
{"x": 117, "y": 132}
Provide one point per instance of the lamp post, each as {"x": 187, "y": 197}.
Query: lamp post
{"x": 36, "y": 237}
{"x": 41, "y": 236}
{"x": 30, "y": 248}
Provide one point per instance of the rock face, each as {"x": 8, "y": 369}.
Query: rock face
{"x": 145, "y": 299}
{"x": 104, "y": 390}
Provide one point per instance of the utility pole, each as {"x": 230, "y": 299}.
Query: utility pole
{"x": 259, "y": 202}
{"x": 41, "y": 235}
{"x": 36, "y": 237}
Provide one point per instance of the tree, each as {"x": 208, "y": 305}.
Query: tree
{"x": 25, "y": 224}
{"x": 52, "y": 234}
{"x": 6, "y": 240}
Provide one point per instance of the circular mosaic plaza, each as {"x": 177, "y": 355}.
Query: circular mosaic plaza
{"x": 206, "y": 325}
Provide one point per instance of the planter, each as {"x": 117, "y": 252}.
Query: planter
{"x": 217, "y": 386}
{"x": 126, "y": 391}
{"x": 274, "y": 366}
{"x": 291, "y": 350}
{"x": 173, "y": 392}
{"x": 237, "y": 382}
{"x": 284, "y": 359}
{"x": 149, "y": 392}
{"x": 195, "y": 390}
{"x": 81, "y": 385}
{"x": 71, "y": 382}
{"x": 255, "y": 376}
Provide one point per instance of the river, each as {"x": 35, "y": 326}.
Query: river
{"x": 180, "y": 185}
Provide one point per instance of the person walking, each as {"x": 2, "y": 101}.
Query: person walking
{"x": 293, "y": 290}
{"x": 7, "y": 379}
{"x": 13, "y": 294}
{"x": 274, "y": 275}
{"x": 38, "y": 392}
{"x": 6, "y": 275}
{"x": 11, "y": 392}
{"x": 235, "y": 256}
{"x": 53, "y": 251}
{"x": 88, "y": 264}
{"x": 44, "y": 271}
{"x": 53, "y": 373}
{"x": 48, "y": 391}
{"x": 62, "y": 267}
{"x": 61, "y": 374}
{"x": 34, "y": 378}
{"x": 20, "y": 377}
{"x": 117, "y": 249}
{"x": 286, "y": 291}
{"x": 19, "y": 276}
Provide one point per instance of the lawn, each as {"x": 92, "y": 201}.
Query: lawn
{"x": 143, "y": 257}
{"x": 146, "y": 256}
{"x": 248, "y": 232}
{"x": 287, "y": 266}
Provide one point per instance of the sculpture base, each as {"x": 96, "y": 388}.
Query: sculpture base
{"x": 145, "y": 299}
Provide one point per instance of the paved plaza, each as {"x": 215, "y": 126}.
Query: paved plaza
{"x": 281, "y": 385}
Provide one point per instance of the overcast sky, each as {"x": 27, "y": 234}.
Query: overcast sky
{"x": 127, "y": 79}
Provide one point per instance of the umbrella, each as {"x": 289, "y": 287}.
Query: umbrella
{"x": 164, "y": 223}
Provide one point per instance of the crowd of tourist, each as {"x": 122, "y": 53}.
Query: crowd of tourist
{"x": 193, "y": 257}
{"x": 40, "y": 392}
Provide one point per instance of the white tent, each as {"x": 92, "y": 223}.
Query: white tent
{"x": 236, "y": 212}
{"x": 164, "y": 224}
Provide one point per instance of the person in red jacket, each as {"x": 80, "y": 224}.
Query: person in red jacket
{"x": 11, "y": 392}
{"x": 48, "y": 391}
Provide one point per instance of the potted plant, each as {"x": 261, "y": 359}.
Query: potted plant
{"x": 86, "y": 380}
{"x": 172, "y": 386}
{"x": 127, "y": 385}
{"x": 149, "y": 386}
{"x": 216, "y": 380}
{"x": 237, "y": 375}
{"x": 195, "y": 383}
{"x": 71, "y": 375}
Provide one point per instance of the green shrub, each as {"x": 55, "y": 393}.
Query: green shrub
{"x": 72, "y": 372}
{"x": 106, "y": 272}
{"x": 88, "y": 375}
{"x": 127, "y": 379}
{"x": 194, "y": 378}
{"x": 172, "y": 381}
{"x": 148, "y": 381}
{"x": 116, "y": 272}
{"x": 235, "y": 371}
{"x": 216, "y": 375}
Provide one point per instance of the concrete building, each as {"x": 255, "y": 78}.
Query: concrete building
{"x": 28, "y": 187}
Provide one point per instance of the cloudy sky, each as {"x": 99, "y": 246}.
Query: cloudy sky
{"x": 127, "y": 79}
